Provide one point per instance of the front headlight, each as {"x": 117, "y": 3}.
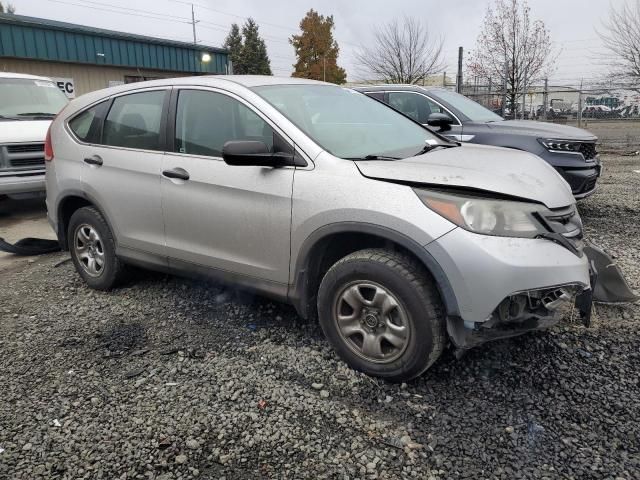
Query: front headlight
{"x": 504, "y": 218}
{"x": 559, "y": 145}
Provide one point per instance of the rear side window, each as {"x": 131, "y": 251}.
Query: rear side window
{"x": 86, "y": 125}
{"x": 206, "y": 120}
{"x": 134, "y": 121}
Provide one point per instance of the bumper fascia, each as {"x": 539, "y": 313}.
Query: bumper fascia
{"x": 484, "y": 270}
{"x": 14, "y": 184}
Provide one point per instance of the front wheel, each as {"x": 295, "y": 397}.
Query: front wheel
{"x": 382, "y": 313}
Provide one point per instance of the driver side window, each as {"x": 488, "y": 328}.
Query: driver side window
{"x": 415, "y": 105}
{"x": 205, "y": 121}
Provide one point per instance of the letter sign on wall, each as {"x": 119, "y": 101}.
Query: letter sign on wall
{"x": 66, "y": 86}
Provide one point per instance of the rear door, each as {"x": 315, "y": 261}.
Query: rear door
{"x": 122, "y": 167}
{"x": 235, "y": 219}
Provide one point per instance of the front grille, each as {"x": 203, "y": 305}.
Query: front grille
{"x": 588, "y": 150}
{"x": 21, "y": 156}
{"x": 28, "y": 147}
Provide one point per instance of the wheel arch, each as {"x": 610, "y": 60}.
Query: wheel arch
{"x": 328, "y": 244}
{"x": 67, "y": 206}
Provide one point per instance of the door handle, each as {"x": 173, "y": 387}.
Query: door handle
{"x": 177, "y": 173}
{"x": 94, "y": 160}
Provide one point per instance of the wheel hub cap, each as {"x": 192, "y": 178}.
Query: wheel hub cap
{"x": 371, "y": 321}
{"x": 89, "y": 250}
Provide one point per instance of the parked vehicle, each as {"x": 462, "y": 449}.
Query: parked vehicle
{"x": 397, "y": 239}
{"x": 571, "y": 151}
{"x": 27, "y": 106}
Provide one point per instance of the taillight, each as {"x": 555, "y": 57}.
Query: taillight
{"x": 48, "y": 148}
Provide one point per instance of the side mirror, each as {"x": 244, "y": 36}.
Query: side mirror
{"x": 255, "y": 153}
{"x": 440, "y": 120}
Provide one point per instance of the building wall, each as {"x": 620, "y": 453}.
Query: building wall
{"x": 87, "y": 78}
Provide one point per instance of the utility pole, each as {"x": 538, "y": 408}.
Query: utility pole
{"x": 545, "y": 99}
{"x": 459, "y": 77}
{"x": 324, "y": 68}
{"x": 193, "y": 25}
{"x": 524, "y": 93}
{"x": 444, "y": 79}
{"x": 504, "y": 87}
{"x": 580, "y": 104}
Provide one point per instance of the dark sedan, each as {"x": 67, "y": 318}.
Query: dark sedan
{"x": 571, "y": 151}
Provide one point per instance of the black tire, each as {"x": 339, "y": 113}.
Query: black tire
{"x": 112, "y": 272}
{"x": 410, "y": 286}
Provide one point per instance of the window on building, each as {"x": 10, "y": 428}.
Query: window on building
{"x": 134, "y": 121}
{"x": 206, "y": 120}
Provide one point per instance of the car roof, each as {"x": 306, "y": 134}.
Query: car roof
{"x": 395, "y": 86}
{"x": 22, "y": 75}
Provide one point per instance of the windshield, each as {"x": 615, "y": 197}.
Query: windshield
{"x": 472, "y": 110}
{"x": 346, "y": 123}
{"x": 26, "y": 98}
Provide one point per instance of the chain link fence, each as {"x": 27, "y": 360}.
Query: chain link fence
{"x": 612, "y": 112}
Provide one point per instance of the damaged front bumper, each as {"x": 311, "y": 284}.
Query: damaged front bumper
{"x": 520, "y": 313}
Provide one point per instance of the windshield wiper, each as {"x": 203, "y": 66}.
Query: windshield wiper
{"x": 374, "y": 157}
{"x": 427, "y": 148}
{"x": 3, "y": 117}
{"x": 37, "y": 114}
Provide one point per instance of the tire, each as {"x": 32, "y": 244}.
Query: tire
{"x": 91, "y": 243}
{"x": 397, "y": 329}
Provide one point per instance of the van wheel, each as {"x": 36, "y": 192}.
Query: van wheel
{"x": 382, "y": 313}
{"x": 93, "y": 249}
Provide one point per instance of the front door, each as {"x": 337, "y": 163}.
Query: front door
{"x": 234, "y": 219}
{"x": 122, "y": 165}
{"x": 419, "y": 107}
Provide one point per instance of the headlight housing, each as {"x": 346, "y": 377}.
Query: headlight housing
{"x": 487, "y": 216}
{"x": 559, "y": 145}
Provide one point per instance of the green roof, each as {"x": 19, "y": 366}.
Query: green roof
{"x": 50, "y": 40}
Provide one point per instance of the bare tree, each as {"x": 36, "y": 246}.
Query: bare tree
{"x": 512, "y": 49}
{"x": 621, "y": 36}
{"x": 10, "y": 8}
{"x": 401, "y": 53}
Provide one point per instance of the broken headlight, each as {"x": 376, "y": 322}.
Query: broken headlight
{"x": 488, "y": 216}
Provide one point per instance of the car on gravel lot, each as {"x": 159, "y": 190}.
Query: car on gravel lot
{"x": 27, "y": 106}
{"x": 571, "y": 151}
{"x": 396, "y": 238}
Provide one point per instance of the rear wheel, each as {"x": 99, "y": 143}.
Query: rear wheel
{"x": 93, "y": 249}
{"x": 382, "y": 314}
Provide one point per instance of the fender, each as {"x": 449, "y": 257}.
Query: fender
{"x": 299, "y": 295}
{"x": 61, "y": 232}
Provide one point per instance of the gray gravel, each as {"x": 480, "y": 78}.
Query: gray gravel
{"x": 168, "y": 378}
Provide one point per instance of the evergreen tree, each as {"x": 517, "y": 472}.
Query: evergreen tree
{"x": 254, "y": 51}
{"x": 247, "y": 50}
{"x": 316, "y": 50}
{"x": 233, "y": 43}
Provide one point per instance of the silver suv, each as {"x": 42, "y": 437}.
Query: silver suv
{"x": 397, "y": 239}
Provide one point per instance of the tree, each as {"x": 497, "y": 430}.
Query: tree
{"x": 512, "y": 48}
{"x": 316, "y": 50}
{"x": 402, "y": 53}
{"x": 254, "y": 51}
{"x": 233, "y": 44}
{"x": 622, "y": 38}
{"x": 247, "y": 51}
{"x": 10, "y": 8}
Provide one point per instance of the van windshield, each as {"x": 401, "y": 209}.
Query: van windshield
{"x": 348, "y": 124}
{"x": 26, "y": 99}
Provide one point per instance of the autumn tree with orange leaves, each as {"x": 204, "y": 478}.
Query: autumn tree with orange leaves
{"x": 316, "y": 50}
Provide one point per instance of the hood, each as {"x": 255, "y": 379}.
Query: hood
{"x": 541, "y": 130}
{"x": 23, "y": 131}
{"x": 491, "y": 169}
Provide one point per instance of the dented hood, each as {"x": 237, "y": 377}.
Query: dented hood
{"x": 480, "y": 167}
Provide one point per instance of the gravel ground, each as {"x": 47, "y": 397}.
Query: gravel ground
{"x": 168, "y": 378}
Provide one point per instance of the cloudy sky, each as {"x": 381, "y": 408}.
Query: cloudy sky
{"x": 572, "y": 24}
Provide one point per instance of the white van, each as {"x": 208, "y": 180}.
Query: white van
{"x": 27, "y": 106}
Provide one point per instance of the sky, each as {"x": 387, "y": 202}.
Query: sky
{"x": 572, "y": 24}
